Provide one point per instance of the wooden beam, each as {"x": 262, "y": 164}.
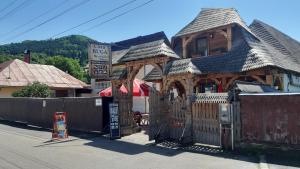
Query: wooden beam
{"x": 231, "y": 81}
{"x": 229, "y": 38}
{"x": 258, "y": 79}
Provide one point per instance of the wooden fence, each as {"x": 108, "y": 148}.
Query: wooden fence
{"x": 82, "y": 113}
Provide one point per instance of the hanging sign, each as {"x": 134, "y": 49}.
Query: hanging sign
{"x": 99, "y": 60}
{"x": 59, "y": 125}
{"x": 224, "y": 113}
{"x": 114, "y": 121}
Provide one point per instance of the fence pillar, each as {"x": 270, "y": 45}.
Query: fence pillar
{"x": 188, "y": 134}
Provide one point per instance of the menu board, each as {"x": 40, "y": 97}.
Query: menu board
{"x": 114, "y": 121}
{"x": 59, "y": 126}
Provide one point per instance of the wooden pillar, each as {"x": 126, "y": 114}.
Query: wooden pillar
{"x": 184, "y": 46}
{"x": 185, "y": 41}
{"x": 188, "y": 135}
{"x": 224, "y": 84}
{"x": 269, "y": 80}
{"x": 229, "y": 38}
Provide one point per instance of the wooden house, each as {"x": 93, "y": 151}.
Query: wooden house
{"x": 218, "y": 48}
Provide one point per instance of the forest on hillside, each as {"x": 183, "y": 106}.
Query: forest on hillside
{"x": 67, "y": 53}
{"x": 73, "y": 46}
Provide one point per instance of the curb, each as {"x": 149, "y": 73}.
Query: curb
{"x": 263, "y": 163}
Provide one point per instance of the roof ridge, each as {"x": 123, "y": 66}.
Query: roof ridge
{"x": 210, "y": 18}
{"x": 125, "y": 44}
{"x": 212, "y": 8}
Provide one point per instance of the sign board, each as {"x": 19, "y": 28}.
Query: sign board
{"x": 98, "y": 102}
{"x": 99, "y": 60}
{"x": 59, "y": 125}
{"x": 114, "y": 121}
{"x": 224, "y": 113}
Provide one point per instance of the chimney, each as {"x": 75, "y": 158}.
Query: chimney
{"x": 27, "y": 56}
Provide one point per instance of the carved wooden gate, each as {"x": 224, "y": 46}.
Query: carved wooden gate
{"x": 158, "y": 112}
{"x": 127, "y": 123}
{"x": 177, "y": 109}
{"x": 205, "y": 118}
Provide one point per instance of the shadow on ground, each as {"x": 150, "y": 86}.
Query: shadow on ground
{"x": 166, "y": 148}
{"x": 169, "y": 148}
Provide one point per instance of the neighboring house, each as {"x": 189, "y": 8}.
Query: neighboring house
{"x": 217, "y": 48}
{"x": 16, "y": 74}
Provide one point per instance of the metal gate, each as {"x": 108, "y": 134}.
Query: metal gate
{"x": 205, "y": 118}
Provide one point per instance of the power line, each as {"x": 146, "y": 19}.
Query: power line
{"x": 117, "y": 16}
{"x": 16, "y": 9}
{"x": 97, "y": 17}
{"x": 39, "y": 16}
{"x": 7, "y": 6}
{"x": 50, "y": 19}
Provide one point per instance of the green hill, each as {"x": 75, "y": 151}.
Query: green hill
{"x": 73, "y": 46}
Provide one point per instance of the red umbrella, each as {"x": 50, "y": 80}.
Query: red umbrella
{"x": 139, "y": 89}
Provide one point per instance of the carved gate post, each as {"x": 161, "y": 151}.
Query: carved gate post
{"x": 187, "y": 135}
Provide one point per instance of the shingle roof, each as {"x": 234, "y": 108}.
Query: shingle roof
{"x": 240, "y": 58}
{"x": 117, "y": 55}
{"x": 153, "y": 75}
{"x": 19, "y": 73}
{"x": 285, "y": 50}
{"x": 126, "y": 44}
{"x": 251, "y": 87}
{"x": 118, "y": 73}
{"x": 209, "y": 18}
{"x": 141, "y": 47}
{"x": 148, "y": 50}
{"x": 269, "y": 47}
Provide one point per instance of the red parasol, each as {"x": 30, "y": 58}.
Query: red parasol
{"x": 139, "y": 89}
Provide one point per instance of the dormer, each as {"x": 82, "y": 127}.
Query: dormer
{"x": 210, "y": 33}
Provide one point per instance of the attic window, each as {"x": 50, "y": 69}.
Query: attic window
{"x": 202, "y": 46}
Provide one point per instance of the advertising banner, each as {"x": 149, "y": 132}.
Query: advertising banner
{"x": 59, "y": 125}
{"x": 114, "y": 121}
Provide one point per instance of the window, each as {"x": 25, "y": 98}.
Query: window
{"x": 201, "y": 47}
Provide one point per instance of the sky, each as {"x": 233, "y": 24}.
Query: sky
{"x": 158, "y": 15}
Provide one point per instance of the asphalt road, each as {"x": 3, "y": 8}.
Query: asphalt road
{"x": 27, "y": 148}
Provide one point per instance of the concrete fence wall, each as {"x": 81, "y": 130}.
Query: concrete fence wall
{"x": 271, "y": 119}
{"x": 82, "y": 113}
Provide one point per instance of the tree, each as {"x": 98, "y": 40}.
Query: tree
{"x": 68, "y": 65}
{"x": 36, "y": 89}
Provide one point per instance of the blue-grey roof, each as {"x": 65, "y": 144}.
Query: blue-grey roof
{"x": 126, "y": 44}
{"x": 153, "y": 75}
{"x": 251, "y": 87}
{"x": 269, "y": 47}
{"x": 149, "y": 50}
{"x": 118, "y": 73}
{"x": 284, "y": 50}
{"x": 117, "y": 55}
{"x": 141, "y": 47}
